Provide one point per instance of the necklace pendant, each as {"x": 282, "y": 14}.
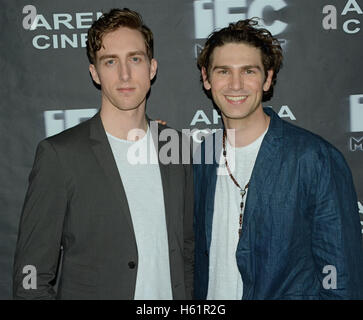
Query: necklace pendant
{"x": 240, "y": 224}
{"x": 243, "y": 192}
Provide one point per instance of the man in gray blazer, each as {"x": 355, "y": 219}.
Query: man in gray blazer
{"x": 124, "y": 227}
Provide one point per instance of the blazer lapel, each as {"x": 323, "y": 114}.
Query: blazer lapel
{"x": 261, "y": 179}
{"x": 262, "y": 172}
{"x": 106, "y": 160}
{"x": 168, "y": 187}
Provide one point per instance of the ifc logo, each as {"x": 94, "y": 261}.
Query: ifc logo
{"x": 214, "y": 14}
{"x": 58, "y": 120}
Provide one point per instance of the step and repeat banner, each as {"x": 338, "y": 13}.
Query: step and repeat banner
{"x": 46, "y": 87}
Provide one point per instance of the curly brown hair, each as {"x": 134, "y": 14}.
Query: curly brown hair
{"x": 245, "y": 31}
{"x": 111, "y": 21}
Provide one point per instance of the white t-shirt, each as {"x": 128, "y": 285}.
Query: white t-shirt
{"x": 225, "y": 282}
{"x": 144, "y": 192}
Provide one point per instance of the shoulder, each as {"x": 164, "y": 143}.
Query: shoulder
{"x": 295, "y": 139}
{"x": 69, "y": 138}
{"x": 66, "y": 145}
{"x": 71, "y": 134}
{"x": 304, "y": 143}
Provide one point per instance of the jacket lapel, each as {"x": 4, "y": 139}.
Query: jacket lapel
{"x": 261, "y": 180}
{"x": 262, "y": 172}
{"x": 106, "y": 160}
{"x": 168, "y": 187}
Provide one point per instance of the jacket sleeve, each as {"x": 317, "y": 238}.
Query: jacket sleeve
{"x": 40, "y": 228}
{"x": 336, "y": 234}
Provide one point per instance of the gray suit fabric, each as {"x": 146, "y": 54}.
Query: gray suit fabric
{"x": 76, "y": 200}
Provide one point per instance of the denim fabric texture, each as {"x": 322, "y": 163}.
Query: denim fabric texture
{"x": 301, "y": 215}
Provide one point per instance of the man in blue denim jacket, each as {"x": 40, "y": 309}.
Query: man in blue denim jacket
{"x": 276, "y": 213}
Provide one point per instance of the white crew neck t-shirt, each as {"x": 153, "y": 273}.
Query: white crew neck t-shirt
{"x": 225, "y": 282}
{"x": 144, "y": 192}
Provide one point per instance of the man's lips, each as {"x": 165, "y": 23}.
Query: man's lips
{"x": 236, "y": 99}
{"x": 125, "y": 90}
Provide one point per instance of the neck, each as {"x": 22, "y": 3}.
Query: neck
{"x": 248, "y": 129}
{"x": 119, "y": 123}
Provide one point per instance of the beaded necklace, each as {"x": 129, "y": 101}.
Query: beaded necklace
{"x": 242, "y": 191}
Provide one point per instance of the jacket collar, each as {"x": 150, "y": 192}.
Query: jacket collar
{"x": 97, "y": 131}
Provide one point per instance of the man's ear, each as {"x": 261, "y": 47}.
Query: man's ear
{"x": 268, "y": 81}
{"x": 153, "y": 68}
{"x": 206, "y": 83}
{"x": 94, "y": 74}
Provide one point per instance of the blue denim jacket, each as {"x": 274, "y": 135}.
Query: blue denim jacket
{"x": 301, "y": 215}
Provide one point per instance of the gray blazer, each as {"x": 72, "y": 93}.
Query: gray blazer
{"x": 76, "y": 201}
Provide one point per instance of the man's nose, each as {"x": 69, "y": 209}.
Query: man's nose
{"x": 124, "y": 72}
{"x": 236, "y": 81}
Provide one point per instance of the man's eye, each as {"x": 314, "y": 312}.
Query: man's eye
{"x": 110, "y": 62}
{"x": 249, "y": 71}
{"x": 135, "y": 59}
{"x": 223, "y": 71}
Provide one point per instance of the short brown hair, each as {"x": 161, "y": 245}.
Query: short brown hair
{"x": 113, "y": 20}
{"x": 245, "y": 31}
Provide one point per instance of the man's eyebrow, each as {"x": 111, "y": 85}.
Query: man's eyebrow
{"x": 220, "y": 67}
{"x": 243, "y": 67}
{"x": 107, "y": 56}
{"x": 137, "y": 53}
{"x": 129, "y": 54}
{"x": 251, "y": 66}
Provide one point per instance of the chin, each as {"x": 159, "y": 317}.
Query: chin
{"x": 239, "y": 114}
{"x": 235, "y": 115}
{"x": 127, "y": 108}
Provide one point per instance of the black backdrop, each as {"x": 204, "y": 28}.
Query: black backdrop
{"x": 45, "y": 84}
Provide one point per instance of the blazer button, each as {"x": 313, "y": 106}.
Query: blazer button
{"x": 206, "y": 253}
{"x": 132, "y": 264}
